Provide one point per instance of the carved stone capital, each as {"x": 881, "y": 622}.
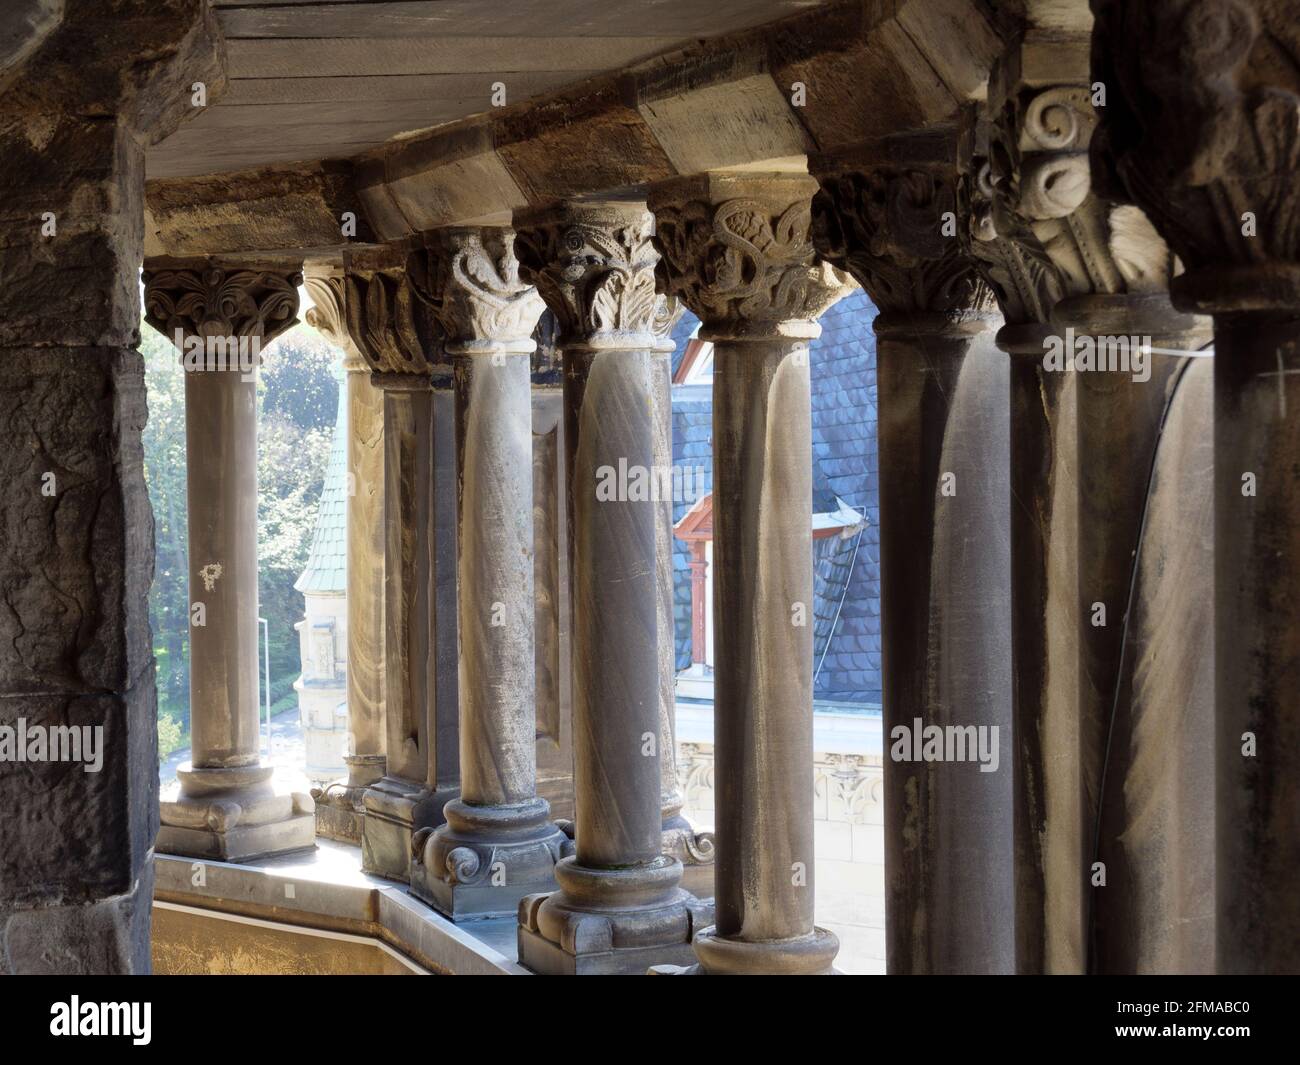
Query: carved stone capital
{"x": 1005, "y": 250}
{"x": 894, "y": 228}
{"x": 1202, "y": 130}
{"x": 1043, "y": 200}
{"x": 326, "y": 286}
{"x": 211, "y": 301}
{"x": 738, "y": 252}
{"x": 472, "y": 284}
{"x": 668, "y": 312}
{"x": 395, "y": 332}
{"x": 594, "y": 266}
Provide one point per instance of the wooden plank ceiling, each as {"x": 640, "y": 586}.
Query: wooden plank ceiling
{"x": 312, "y": 79}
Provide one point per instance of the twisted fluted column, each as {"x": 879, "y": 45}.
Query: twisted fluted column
{"x": 619, "y": 907}
{"x": 499, "y": 843}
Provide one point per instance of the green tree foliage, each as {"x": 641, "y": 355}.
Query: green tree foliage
{"x": 299, "y": 402}
{"x": 297, "y": 405}
{"x": 164, "y": 473}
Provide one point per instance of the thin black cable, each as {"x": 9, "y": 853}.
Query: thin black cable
{"x": 1123, "y": 649}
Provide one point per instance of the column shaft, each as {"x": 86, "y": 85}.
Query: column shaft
{"x": 737, "y": 251}
{"x": 365, "y": 520}
{"x": 1051, "y": 844}
{"x": 1257, "y": 639}
{"x": 340, "y": 807}
{"x": 408, "y": 574}
{"x": 945, "y": 563}
{"x": 399, "y": 805}
{"x": 1110, "y": 717}
{"x": 763, "y": 595}
{"x": 1144, "y": 708}
{"x": 221, "y": 495}
{"x": 616, "y": 687}
{"x": 494, "y": 458}
{"x": 945, "y": 577}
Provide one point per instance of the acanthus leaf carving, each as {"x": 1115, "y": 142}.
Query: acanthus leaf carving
{"x": 594, "y": 266}
{"x": 213, "y": 301}
{"x": 395, "y": 332}
{"x": 886, "y": 226}
{"x": 327, "y": 315}
{"x": 1010, "y": 259}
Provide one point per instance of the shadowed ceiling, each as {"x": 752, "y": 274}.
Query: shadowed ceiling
{"x": 312, "y": 79}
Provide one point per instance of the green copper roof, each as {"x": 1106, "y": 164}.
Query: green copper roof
{"x": 327, "y": 565}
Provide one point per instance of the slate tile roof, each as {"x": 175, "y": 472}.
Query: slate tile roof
{"x": 327, "y": 563}
{"x": 846, "y": 569}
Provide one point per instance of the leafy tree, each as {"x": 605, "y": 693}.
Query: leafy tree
{"x": 164, "y": 472}
{"x": 298, "y": 401}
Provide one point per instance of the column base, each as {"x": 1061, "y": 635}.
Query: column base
{"x": 235, "y": 815}
{"x": 695, "y": 851}
{"x": 611, "y": 921}
{"x": 340, "y": 814}
{"x": 809, "y": 955}
{"x": 485, "y": 859}
{"x": 395, "y": 810}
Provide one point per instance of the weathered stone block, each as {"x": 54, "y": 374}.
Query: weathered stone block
{"x": 71, "y": 835}
{"x": 77, "y": 525}
{"x": 99, "y": 938}
{"x": 70, "y": 205}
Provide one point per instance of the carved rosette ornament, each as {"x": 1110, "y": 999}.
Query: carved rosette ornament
{"x": 594, "y": 266}
{"x": 211, "y": 301}
{"x": 471, "y": 282}
{"x": 740, "y": 256}
{"x": 894, "y": 229}
{"x": 1202, "y": 131}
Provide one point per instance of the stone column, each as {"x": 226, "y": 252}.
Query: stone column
{"x": 694, "y": 850}
{"x": 1113, "y": 725}
{"x": 499, "y": 843}
{"x": 736, "y": 250}
{"x": 402, "y": 346}
{"x": 945, "y": 565}
{"x": 1200, "y": 130}
{"x": 76, "y": 865}
{"x": 218, "y": 318}
{"x": 340, "y": 810}
{"x": 619, "y": 907}
{"x": 551, "y": 593}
